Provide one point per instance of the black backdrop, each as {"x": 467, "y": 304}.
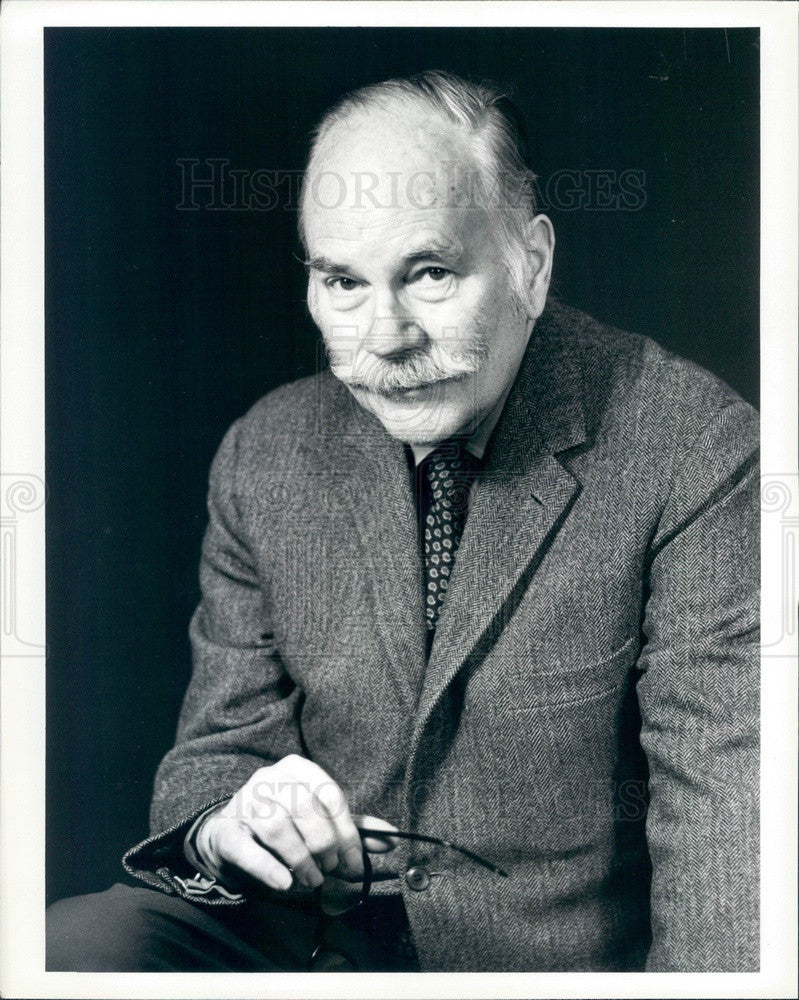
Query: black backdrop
{"x": 163, "y": 325}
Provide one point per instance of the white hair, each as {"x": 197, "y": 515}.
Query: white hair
{"x": 506, "y": 186}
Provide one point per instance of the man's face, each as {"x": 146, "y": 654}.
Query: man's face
{"x": 407, "y": 282}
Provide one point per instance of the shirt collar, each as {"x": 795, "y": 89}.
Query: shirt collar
{"x": 477, "y": 442}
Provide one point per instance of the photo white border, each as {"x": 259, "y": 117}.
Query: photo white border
{"x": 22, "y": 676}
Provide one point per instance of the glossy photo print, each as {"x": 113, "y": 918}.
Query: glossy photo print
{"x": 404, "y": 507}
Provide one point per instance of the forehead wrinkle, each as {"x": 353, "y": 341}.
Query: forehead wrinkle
{"x": 361, "y": 237}
{"x": 437, "y": 227}
{"x": 447, "y": 251}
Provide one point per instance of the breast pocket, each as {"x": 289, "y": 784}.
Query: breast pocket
{"x": 545, "y": 743}
{"x": 530, "y": 680}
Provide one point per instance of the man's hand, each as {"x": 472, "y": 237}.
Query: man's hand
{"x": 289, "y": 822}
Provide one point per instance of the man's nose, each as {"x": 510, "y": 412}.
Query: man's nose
{"x": 394, "y": 331}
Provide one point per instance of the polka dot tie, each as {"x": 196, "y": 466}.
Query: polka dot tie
{"x": 445, "y": 478}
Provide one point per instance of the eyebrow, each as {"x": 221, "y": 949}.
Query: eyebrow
{"x": 326, "y": 265}
{"x": 447, "y": 253}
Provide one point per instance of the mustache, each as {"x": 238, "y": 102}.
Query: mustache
{"x": 415, "y": 370}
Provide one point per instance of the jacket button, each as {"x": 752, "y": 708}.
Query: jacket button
{"x": 418, "y": 878}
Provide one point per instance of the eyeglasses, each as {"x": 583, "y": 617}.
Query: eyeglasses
{"x": 337, "y": 897}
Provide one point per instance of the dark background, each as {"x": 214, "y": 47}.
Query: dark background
{"x": 165, "y": 325}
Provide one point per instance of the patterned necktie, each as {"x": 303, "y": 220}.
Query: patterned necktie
{"x": 444, "y": 480}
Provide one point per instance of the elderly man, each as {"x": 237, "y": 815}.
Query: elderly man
{"x": 475, "y": 668}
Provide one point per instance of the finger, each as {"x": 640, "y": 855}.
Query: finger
{"x": 278, "y": 833}
{"x": 373, "y": 844}
{"x": 330, "y": 798}
{"x": 239, "y": 850}
{"x": 327, "y": 803}
{"x": 293, "y": 794}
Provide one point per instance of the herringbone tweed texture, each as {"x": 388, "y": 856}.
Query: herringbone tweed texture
{"x": 588, "y": 717}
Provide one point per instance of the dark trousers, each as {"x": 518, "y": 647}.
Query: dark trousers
{"x": 135, "y": 929}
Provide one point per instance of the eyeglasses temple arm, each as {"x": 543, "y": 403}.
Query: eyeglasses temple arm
{"x": 425, "y": 838}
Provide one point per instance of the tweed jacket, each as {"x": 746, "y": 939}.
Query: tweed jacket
{"x": 588, "y": 715}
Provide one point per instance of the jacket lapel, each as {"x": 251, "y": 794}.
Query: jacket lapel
{"x": 521, "y": 498}
{"x": 370, "y": 493}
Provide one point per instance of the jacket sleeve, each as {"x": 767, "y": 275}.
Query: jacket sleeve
{"x": 240, "y": 709}
{"x": 699, "y": 700}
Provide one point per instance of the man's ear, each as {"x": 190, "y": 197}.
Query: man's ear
{"x": 540, "y": 243}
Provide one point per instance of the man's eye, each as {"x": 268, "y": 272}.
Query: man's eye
{"x": 433, "y": 273}
{"x": 341, "y": 284}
